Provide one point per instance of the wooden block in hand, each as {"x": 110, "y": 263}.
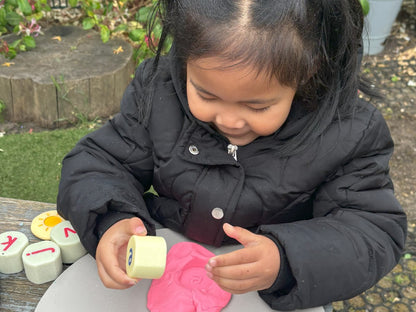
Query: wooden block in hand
{"x": 12, "y": 244}
{"x": 68, "y": 241}
{"x": 42, "y": 262}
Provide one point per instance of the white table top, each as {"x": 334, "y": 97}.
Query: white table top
{"x": 79, "y": 289}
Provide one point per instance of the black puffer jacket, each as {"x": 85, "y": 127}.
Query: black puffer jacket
{"x": 330, "y": 209}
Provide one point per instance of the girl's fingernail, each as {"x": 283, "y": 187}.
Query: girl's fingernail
{"x": 208, "y": 268}
{"x": 141, "y": 230}
{"x": 209, "y": 274}
{"x": 212, "y": 262}
{"x": 228, "y": 227}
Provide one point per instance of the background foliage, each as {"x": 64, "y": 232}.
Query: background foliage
{"x": 125, "y": 18}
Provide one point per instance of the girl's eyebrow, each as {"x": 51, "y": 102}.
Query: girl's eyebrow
{"x": 252, "y": 101}
{"x": 200, "y": 89}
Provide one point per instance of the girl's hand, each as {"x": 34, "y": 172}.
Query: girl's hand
{"x": 254, "y": 267}
{"x": 111, "y": 253}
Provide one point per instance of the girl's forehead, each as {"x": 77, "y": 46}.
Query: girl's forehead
{"x": 217, "y": 66}
{"x": 215, "y": 73}
{"x": 218, "y": 63}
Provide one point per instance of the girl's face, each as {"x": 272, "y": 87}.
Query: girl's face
{"x": 240, "y": 103}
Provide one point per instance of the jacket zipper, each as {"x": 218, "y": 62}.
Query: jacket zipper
{"x": 232, "y": 150}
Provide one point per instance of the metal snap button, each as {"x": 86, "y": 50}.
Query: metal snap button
{"x": 193, "y": 150}
{"x": 217, "y": 213}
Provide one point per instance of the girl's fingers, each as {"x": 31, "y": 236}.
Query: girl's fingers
{"x": 106, "y": 279}
{"x": 237, "y": 286}
{"x": 238, "y": 257}
{"x": 111, "y": 253}
{"x": 235, "y": 272}
{"x": 243, "y": 236}
{"x": 114, "y": 277}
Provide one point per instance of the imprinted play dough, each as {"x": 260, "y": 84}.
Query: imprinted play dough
{"x": 68, "y": 241}
{"x": 12, "y": 244}
{"x": 42, "y": 225}
{"x": 42, "y": 262}
{"x": 146, "y": 256}
{"x": 185, "y": 285}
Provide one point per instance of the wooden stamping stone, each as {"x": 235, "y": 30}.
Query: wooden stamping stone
{"x": 42, "y": 262}
{"x": 68, "y": 241}
{"x": 12, "y": 244}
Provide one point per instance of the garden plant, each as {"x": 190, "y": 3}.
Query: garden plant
{"x": 127, "y": 18}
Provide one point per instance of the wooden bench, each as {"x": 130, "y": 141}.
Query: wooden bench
{"x": 17, "y": 293}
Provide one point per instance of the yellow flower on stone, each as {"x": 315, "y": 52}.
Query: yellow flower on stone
{"x": 57, "y": 38}
{"x": 7, "y": 64}
{"x": 118, "y": 50}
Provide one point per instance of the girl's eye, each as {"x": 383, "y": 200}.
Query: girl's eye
{"x": 204, "y": 98}
{"x": 258, "y": 110}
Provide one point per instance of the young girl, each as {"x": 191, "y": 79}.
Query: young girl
{"x": 250, "y": 130}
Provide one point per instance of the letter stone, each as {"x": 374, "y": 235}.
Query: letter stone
{"x": 42, "y": 262}
{"x": 67, "y": 239}
{"x": 12, "y": 244}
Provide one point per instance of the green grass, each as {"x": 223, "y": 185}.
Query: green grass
{"x": 30, "y": 164}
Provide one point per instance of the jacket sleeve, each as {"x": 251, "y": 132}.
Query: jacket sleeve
{"x": 105, "y": 175}
{"x": 356, "y": 236}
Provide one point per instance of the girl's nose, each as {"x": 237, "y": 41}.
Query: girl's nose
{"x": 229, "y": 120}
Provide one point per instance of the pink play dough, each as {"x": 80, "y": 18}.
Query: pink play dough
{"x": 185, "y": 285}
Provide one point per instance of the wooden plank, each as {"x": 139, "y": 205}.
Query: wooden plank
{"x": 73, "y": 99}
{"x": 45, "y": 105}
{"x": 22, "y": 94}
{"x": 102, "y": 96}
{"x": 122, "y": 78}
{"x": 6, "y": 97}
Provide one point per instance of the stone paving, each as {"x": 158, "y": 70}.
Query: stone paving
{"x": 394, "y": 73}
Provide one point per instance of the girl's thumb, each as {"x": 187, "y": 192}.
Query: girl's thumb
{"x": 243, "y": 236}
{"x": 137, "y": 227}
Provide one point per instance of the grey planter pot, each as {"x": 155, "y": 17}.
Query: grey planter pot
{"x": 378, "y": 24}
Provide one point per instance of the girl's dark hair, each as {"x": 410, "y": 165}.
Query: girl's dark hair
{"x": 311, "y": 45}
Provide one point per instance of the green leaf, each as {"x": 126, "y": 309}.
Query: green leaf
{"x": 394, "y": 78}
{"x": 12, "y": 2}
{"x": 88, "y": 23}
{"x": 11, "y": 54}
{"x": 73, "y": 3}
{"x": 13, "y": 18}
{"x": 3, "y": 20}
{"x": 366, "y": 6}
{"x": 14, "y": 44}
{"x": 24, "y": 6}
{"x": 29, "y": 42}
{"x": 96, "y": 5}
{"x": 137, "y": 34}
{"x": 3, "y": 30}
{"x": 37, "y": 15}
{"x": 157, "y": 30}
{"x": 142, "y": 14}
{"x": 105, "y": 33}
{"x": 121, "y": 28}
